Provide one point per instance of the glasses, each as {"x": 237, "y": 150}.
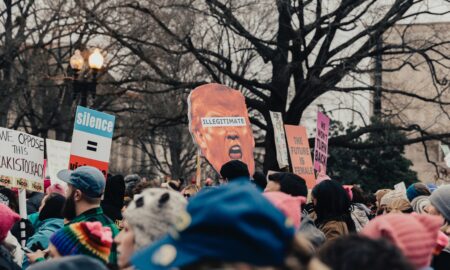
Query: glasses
{"x": 187, "y": 195}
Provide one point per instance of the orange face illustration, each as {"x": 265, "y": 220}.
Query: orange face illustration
{"x": 220, "y": 125}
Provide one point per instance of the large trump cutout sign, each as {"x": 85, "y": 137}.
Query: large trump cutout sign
{"x": 219, "y": 125}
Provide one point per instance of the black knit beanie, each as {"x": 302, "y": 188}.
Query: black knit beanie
{"x": 234, "y": 169}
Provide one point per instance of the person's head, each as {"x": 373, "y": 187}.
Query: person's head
{"x": 387, "y": 199}
{"x": 115, "y": 191}
{"x": 220, "y": 125}
{"x": 146, "y": 219}
{"x": 260, "y": 180}
{"x": 234, "y": 169}
{"x": 9, "y": 198}
{"x": 355, "y": 252}
{"x": 399, "y": 205}
{"x": 417, "y": 189}
{"x": 289, "y": 205}
{"x": 420, "y": 204}
{"x": 51, "y": 206}
{"x": 414, "y": 234}
{"x": 331, "y": 202}
{"x": 131, "y": 181}
{"x": 70, "y": 263}
{"x": 288, "y": 183}
{"x": 83, "y": 238}
{"x": 56, "y": 188}
{"x": 85, "y": 187}
{"x": 8, "y": 217}
{"x": 141, "y": 186}
{"x": 440, "y": 202}
{"x": 172, "y": 185}
{"x": 189, "y": 191}
{"x": 358, "y": 195}
{"x": 230, "y": 223}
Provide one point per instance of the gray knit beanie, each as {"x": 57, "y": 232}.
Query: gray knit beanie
{"x": 440, "y": 199}
{"x": 152, "y": 213}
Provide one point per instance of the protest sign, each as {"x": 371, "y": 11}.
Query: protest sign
{"x": 21, "y": 160}
{"x": 58, "y": 156}
{"x": 400, "y": 187}
{"x": 280, "y": 139}
{"x": 300, "y": 153}
{"x": 219, "y": 125}
{"x": 91, "y": 139}
{"x": 321, "y": 144}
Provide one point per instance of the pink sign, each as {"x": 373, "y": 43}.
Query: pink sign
{"x": 321, "y": 145}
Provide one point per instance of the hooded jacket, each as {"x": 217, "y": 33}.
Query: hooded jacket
{"x": 113, "y": 199}
{"x": 6, "y": 260}
{"x": 360, "y": 215}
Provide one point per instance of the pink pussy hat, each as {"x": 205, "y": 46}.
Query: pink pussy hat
{"x": 8, "y": 217}
{"x": 290, "y": 206}
{"x": 415, "y": 234}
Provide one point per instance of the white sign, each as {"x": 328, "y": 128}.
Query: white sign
{"x": 58, "y": 155}
{"x": 280, "y": 139}
{"x": 21, "y": 160}
{"x": 400, "y": 187}
{"x": 91, "y": 139}
{"x": 223, "y": 122}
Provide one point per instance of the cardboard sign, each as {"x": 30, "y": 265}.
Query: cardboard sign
{"x": 220, "y": 126}
{"x": 91, "y": 139}
{"x": 280, "y": 139}
{"x": 321, "y": 145}
{"x": 21, "y": 160}
{"x": 300, "y": 153}
{"x": 58, "y": 156}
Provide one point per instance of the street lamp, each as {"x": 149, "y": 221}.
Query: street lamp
{"x": 82, "y": 84}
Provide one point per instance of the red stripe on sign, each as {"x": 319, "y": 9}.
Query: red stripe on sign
{"x": 77, "y": 161}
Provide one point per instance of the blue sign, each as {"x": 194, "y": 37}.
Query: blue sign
{"x": 94, "y": 122}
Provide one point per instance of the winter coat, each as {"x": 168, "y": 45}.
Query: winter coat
{"x": 40, "y": 239}
{"x": 13, "y": 247}
{"x": 360, "y": 215}
{"x": 6, "y": 260}
{"x": 309, "y": 230}
{"x": 114, "y": 195}
{"x": 334, "y": 229}
{"x": 442, "y": 261}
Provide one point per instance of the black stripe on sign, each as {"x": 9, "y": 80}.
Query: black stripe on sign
{"x": 91, "y": 148}
{"x": 92, "y": 143}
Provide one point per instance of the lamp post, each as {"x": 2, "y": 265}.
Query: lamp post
{"x": 82, "y": 84}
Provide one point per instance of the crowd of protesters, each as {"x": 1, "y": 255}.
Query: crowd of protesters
{"x": 243, "y": 222}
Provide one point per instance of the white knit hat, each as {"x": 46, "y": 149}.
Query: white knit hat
{"x": 152, "y": 214}
{"x": 419, "y": 204}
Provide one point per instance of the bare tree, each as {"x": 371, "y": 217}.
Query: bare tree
{"x": 273, "y": 49}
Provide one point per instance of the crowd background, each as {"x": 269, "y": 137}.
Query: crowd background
{"x": 237, "y": 222}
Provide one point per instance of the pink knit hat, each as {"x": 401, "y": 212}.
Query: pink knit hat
{"x": 415, "y": 234}
{"x": 8, "y": 217}
{"x": 289, "y": 205}
{"x": 56, "y": 188}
